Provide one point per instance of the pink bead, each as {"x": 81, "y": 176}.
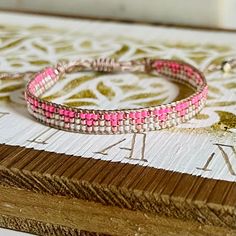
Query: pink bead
{"x": 138, "y": 121}
{"x": 82, "y": 115}
{"x": 47, "y": 114}
{"x": 156, "y": 112}
{"x": 114, "y": 123}
{"x": 51, "y": 108}
{"x": 162, "y": 117}
{"x": 120, "y": 116}
{"x": 89, "y": 122}
{"x": 95, "y": 122}
{"x": 161, "y": 111}
{"x": 178, "y": 107}
{"x": 138, "y": 114}
{"x": 183, "y": 112}
{"x": 95, "y": 116}
{"x": 38, "y": 78}
{"x": 114, "y": 116}
{"x": 132, "y": 115}
{"x": 144, "y": 113}
{"x": 66, "y": 112}
{"x": 188, "y": 69}
{"x": 61, "y": 112}
{"x": 71, "y": 114}
{"x": 194, "y": 100}
{"x": 88, "y": 116}
{"x": 114, "y": 129}
{"x": 107, "y": 116}
{"x": 49, "y": 71}
{"x": 36, "y": 103}
{"x": 158, "y": 64}
{"x": 185, "y": 105}
{"x": 43, "y": 105}
{"x": 198, "y": 77}
{"x": 164, "y": 110}
{"x": 66, "y": 119}
{"x": 46, "y": 107}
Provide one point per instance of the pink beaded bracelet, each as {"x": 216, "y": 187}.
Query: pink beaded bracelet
{"x": 120, "y": 120}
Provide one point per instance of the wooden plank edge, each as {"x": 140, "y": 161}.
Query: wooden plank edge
{"x": 112, "y": 195}
{"x": 56, "y": 215}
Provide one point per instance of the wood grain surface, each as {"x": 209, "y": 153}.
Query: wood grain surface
{"x": 40, "y": 175}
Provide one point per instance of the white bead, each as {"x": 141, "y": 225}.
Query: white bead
{"x": 77, "y": 121}
{"x": 126, "y": 128}
{"x": 77, "y": 127}
{"x": 121, "y": 129}
{"x": 102, "y": 128}
{"x": 108, "y": 129}
{"x": 102, "y": 122}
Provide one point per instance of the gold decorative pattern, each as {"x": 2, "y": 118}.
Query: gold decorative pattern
{"x": 32, "y": 48}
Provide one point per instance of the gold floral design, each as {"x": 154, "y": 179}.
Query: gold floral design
{"x": 32, "y": 48}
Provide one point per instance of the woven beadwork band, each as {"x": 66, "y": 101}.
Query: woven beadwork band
{"x": 123, "y": 120}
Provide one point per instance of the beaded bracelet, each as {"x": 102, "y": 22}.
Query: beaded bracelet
{"x": 120, "y": 120}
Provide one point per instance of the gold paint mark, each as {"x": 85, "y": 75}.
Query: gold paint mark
{"x": 156, "y": 85}
{"x": 221, "y": 104}
{"x": 86, "y": 44}
{"x": 5, "y": 99}
{"x": 80, "y": 104}
{"x": 105, "y": 90}
{"x": 39, "y": 62}
{"x": 16, "y": 65}
{"x": 231, "y": 85}
{"x": 77, "y": 82}
{"x": 152, "y": 103}
{"x": 39, "y": 47}
{"x": 201, "y": 116}
{"x": 124, "y": 49}
{"x": 12, "y": 44}
{"x": 184, "y": 91}
{"x": 66, "y": 48}
{"x": 140, "y": 52}
{"x": 87, "y": 93}
{"x": 214, "y": 89}
{"x": 198, "y": 56}
{"x": 39, "y": 28}
{"x": 154, "y": 48}
{"x": 127, "y": 88}
{"x": 217, "y": 60}
{"x": 52, "y": 97}
{"x": 142, "y": 96}
{"x": 217, "y": 47}
{"x": 11, "y": 88}
{"x": 179, "y": 45}
{"x": 227, "y": 121}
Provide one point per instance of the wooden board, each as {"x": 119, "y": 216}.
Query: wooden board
{"x": 76, "y": 194}
{"x": 179, "y": 181}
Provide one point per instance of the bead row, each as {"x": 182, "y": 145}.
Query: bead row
{"x": 118, "y": 121}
